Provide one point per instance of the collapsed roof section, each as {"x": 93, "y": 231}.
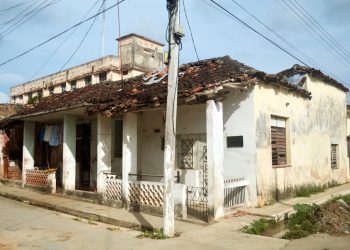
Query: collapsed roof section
{"x": 303, "y": 70}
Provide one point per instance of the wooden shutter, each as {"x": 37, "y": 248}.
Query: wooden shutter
{"x": 278, "y": 144}
{"x": 334, "y": 156}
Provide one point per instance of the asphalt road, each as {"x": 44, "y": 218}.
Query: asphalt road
{"x": 26, "y": 227}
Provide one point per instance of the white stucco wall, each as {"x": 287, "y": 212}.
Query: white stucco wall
{"x": 191, "y": 120}
{"x": 240, "y": 162}
{"x": 312, "y": 126}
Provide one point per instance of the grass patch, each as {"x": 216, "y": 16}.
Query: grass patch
{"x": 91, "y": 221}
{"x": 307, "y": 190}
{"x": 303, "y": 223}
{"x": 258, "y": 226}
{"x": 156, "y": 234}
{"x": 345, "y": 198}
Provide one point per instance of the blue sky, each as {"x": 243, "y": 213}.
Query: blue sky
{"x": 215, "y": 34}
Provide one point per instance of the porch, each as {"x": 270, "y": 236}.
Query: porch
{"x": 121, "y": 160}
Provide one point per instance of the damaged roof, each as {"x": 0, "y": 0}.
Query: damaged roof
{"x": 198, "y": 82}
{"x": 303, "y": 70}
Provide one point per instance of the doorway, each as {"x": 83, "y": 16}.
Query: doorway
{"x": 83, "y": 167}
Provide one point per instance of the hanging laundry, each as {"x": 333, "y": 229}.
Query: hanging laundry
{"x": 47, "y": 134}
{"x": 42, "y": 134}
{"x": 54, "y": 136}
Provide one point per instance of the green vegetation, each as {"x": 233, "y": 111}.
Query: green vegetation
{"x": 91, "y": 221}
{"x": 156, "y": 233}
{"x": 258, "y": 226}
{"x": 303, "y": 223}
{"x": 345, "y": 198}
{"x": 307, "y": 190}
{"x": 34, "y": 99}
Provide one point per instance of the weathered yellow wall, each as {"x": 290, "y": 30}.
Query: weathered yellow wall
{"x": 312, "y": 126}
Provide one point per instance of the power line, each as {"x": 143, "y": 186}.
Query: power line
{"x": 18, "y": 15}
{"x": 59, "y": 34}
{"x": 102, "y": 47}
{"x": 21, "y": 22}
{"x": 189, "y": 27}
{"x": 232, "y": 16}
{"x": 284, "y": 40}
{"x": 15, "y": 6}
{"x": 321, "y": 28}
{"x": 83, "y": 39}
{"x": 337, "y": 54}
{"x": 63, "y": 42}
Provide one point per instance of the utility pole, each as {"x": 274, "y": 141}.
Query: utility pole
{"x": 174, "y": 37}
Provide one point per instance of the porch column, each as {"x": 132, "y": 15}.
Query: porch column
{"x": 129, "y": 161}
{"x": 69, "y": 150}
{"x": 28, "y": 148}
{"x": 104, "y": 149}
{"x": 215, "y": 155}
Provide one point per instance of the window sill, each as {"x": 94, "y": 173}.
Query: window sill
{"x": 281, "y": 166}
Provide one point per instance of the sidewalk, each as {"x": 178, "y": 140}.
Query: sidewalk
{"x": 282, "y": 209}
{"x": 96, "y": 212}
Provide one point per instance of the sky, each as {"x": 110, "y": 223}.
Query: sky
{"x": 214, "y": 33}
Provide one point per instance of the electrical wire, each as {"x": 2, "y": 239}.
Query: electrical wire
{"x": 83, "y": 39}
{"x": 20, "y": 23}
{"x": 189, "y": 27}
{"x": 18, "y": 15}
{"x": 15, "y": 6}
{"x": 63, "y": 42}
{"x": 102, "y": 46}
{"x": 324, "y": 42}
{"x": 286, "y": 41}
{"x": 319, "y": 27}
{"x": 59, "y": 34}
{"x": 234, "y": 17}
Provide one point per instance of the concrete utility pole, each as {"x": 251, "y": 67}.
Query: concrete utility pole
{"x": 170, "y": 124}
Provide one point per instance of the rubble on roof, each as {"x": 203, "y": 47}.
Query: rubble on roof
{"x": 198, "y": 82}
{"x": 303, "y": 70}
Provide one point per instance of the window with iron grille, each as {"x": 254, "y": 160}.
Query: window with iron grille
{"x": 278, "y": 141}
{"x": 87, "y": 80}
{"x": 73, "y": 85}
{"x": 103, "y": 77}
{"x": 334, "y": 153}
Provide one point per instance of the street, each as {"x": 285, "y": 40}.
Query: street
{"x": 26, "y": 227}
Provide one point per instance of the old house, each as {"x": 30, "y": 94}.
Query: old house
{"x": 244, "y": 137}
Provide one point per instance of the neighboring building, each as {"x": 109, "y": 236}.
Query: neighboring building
{"x": 243, "y": 137}
{"x": 138, "y": 56}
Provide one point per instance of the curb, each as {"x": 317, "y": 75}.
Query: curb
{"x": 284, "y": 215}
{"x": 78, "y": 213}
